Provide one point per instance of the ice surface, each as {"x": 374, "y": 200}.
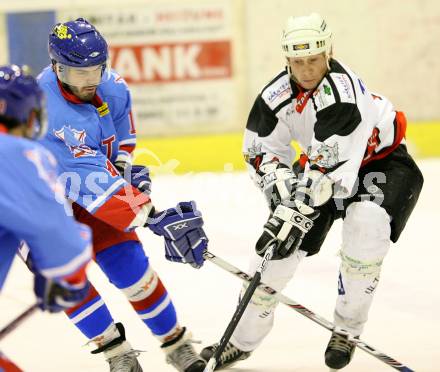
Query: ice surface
{"x": 404, "y": 319}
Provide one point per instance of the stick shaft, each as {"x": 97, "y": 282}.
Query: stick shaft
{"x": 306, "y": 312}
{"x": 18, "y": 320}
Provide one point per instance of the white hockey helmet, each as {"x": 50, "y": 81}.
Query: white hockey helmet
{"x": 306, "y": 36}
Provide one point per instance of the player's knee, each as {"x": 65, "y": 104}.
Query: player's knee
{"x": 266, "y": 302}
{"x": 124, "y": 263}
{"x": 366, "y": 238}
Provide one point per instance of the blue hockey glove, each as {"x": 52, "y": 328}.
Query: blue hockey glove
{"x": 140, "y": 178}
{"x": 58, "y": 295}
{"x": 137, "y": 175}
{"x": 182, "y": 230}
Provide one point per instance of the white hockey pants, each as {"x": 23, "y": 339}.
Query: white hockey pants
{"x": 365, "y": 242}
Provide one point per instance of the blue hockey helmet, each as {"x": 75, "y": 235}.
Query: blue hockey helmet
{"x": 79, "y": 53}
{"x": 21, "y": 101}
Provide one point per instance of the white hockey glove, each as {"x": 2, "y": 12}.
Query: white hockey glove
{"x": 277, "y": 181}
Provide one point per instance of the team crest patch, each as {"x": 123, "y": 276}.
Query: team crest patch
{"x": 254, "y": 155}
{"x": 327, "y": 156}
{"x": 75, "y": 141}
{"x": 253, "y": 152}
{"x": 255, "y": 149}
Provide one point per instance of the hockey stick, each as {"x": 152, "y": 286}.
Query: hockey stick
{"x": 18, "y": 320}
{"x": 253, "y": 284}
{"x": 306, "y": 312}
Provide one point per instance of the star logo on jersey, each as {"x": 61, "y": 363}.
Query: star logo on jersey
{"x": 75, "y": 141}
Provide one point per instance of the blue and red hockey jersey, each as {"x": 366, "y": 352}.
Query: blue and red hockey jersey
{"x": 32, "y": 209}
{"x": 87, "y": 138}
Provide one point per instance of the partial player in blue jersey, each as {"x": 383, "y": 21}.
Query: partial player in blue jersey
{"x": 92, "y": 134}
{"x": 31, "y": 206}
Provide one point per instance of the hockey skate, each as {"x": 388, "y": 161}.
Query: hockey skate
{"x": 181, "y": 354}
{"x": 119, "y": 354}
{"x": 126, "y": 362}
{"x": 230, "y": 355}
{"x": 339, "y": 351}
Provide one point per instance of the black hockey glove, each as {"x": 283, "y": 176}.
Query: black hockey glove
{"x": 286, "y": 229}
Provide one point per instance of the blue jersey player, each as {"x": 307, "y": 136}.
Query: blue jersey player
{"x": 91, "y": 132}
{"x": 31, "y": 208}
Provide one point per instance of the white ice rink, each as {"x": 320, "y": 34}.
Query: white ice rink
{"x": 404, "y": 319}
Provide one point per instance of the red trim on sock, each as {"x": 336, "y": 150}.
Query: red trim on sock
{"x": 151, "y": 299}
{"x": 93, "y": 293}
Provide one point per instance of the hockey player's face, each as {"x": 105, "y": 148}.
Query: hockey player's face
{"x": 84, "y": 93}
{"x": 82, "y": 81}
{"x": 309, "y": 71}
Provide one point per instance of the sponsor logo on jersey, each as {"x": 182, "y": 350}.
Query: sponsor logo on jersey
{"x": 323, "y": 96}
{"x": 344, "y": 87}
{"x": 301, "y": 101}
{"x": 326, "y": 156}
{"x": 279, "y": 92}
{"x": 75, "y": 141}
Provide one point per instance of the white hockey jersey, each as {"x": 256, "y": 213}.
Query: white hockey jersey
{"x": 339, "y": 126}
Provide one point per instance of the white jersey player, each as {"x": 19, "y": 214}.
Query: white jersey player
{"x": 354, "y": 165}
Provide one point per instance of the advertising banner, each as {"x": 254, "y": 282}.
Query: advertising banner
{"x": 179, "y": 60}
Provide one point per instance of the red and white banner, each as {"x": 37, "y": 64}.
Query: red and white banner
{"x": 171, "y": 62}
